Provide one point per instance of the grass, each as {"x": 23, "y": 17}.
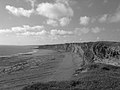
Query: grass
{"x": 99, "y": 83}
{"x": 98, "y": 77}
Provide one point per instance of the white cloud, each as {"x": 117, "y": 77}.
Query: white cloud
{"x": 85, "y": 30}
{"x": 54, "y": 11}
{"x": 58, "y": 13}
{"x": 52, "y": 22}
{"x": 19, "y": 11}
{"x": 23, "y": 29}
{"x": 90, "y": 5}
{"x": 60, "y": 32}
{"x": 96, "y": 29}
{"x": 103, "y": 18}
{"x": 80, "y": 31}
{"x": 64, "y": 21}
{"x": 116, "y": 16}
{"x": 111, "y": 18}
{"x": 84, "y": 20}
{"x": 27, "y": 30}
{"x": 32, "y": 2}
{"x": 98, "y": 38}
{"x": 2, "y": 31}
{"x": 39, "y": 33}
{"x": 105, "y": 1}
{"x": 63, "y": 1}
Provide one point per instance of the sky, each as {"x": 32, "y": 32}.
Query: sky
{"x": 36, "y": 22}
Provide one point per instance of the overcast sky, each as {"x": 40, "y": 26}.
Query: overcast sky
{"x": 58, "y": 21}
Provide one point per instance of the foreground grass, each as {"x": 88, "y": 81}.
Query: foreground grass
{"x": 104, "y": 83}
{"x": 99, "y": 77}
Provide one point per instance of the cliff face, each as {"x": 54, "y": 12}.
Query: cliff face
{"x": 91, "y": 52}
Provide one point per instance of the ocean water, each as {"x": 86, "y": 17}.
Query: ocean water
{"x": 11, "y": 50}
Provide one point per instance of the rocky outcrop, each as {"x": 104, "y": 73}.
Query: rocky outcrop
{"x": 106, "y": 50}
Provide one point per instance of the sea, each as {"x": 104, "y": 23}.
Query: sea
{"x": 12, "y": 50}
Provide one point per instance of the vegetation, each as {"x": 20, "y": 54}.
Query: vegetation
{"x": 100, "y": 83}
{"x": 98, "y": 77}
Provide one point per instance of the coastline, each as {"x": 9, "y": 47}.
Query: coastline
{"x": 31, "y": 52}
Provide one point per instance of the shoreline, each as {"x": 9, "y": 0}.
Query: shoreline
{"x": 31, "y": 52}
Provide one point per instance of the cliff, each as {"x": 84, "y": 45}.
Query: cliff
{"x": 91, "y": 52}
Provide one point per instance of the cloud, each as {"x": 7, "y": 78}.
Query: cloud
{"x": 96, "y": 29}
{"x": 59, "y": 12}
{"x": 2, "y": 31}
{"x": 103, "y": 18}
{"x": 84, "y": 20}
{"x": 39, "y": 33}
{"x": 116, "y": 16}
{"x": 27, "y": 30}
{"x": 52, "y": 22}
{"x": 54, "y": 11}
{"x": 111, "y": 18}
{"x": 90, "y": 5}
{"x": 64, "y": 21}
{"x": 23, "y": 29}
{"x": 19, "y": 11}
{"x": 86, "y": 30}
{"x": 80, "y": 31}
{"x": 98, "y": 38}
{"x": 32, "y": 3}
{"x": 60, "y": 32}
{"x": 63, "y": 1}
{"x": 51, "y": 34}
{"x": 56, "y": 34}
{"x": 105, "y": 1}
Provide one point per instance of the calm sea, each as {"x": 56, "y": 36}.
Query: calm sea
{"x": 10, "y": 50}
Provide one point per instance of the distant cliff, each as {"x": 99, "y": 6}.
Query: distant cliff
{"x": 91, "y": 52}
